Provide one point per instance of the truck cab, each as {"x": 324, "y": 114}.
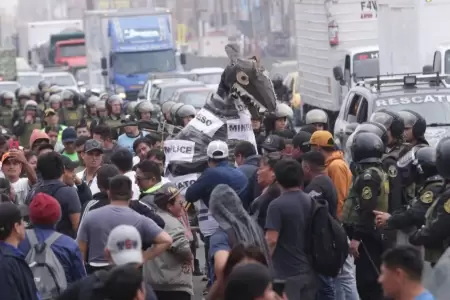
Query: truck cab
{"x": 71, "y": 53}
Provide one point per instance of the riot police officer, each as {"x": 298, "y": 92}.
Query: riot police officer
{"x": 395, "y": 126}
{"x": 25, "y": 126}
{"x": 130, "y": 108}
{"x": 434, "y": 235}
{"x": 184, "y": 115}
{"x": 54, "y": 102}
{"x": 91, "y": 110}
{"x": 165, "y": 109}
{"x": 100, "y": 107}
{"x": 415, "y": 127}
{"x": 43, "y": 87}
{"x": 280, "y": 121}
{"x": 369, "y": 192}
{"x": 23, "y": 95}
{"x": 71, "y": 111}
{"x": 114, "y": 109}
{"x": 6, "y": 112}
{"x": 420, "y": 164}
{"x": 318, "y": 118}
{"x": 144, "y": 111}
{"x": 278, "y": 86}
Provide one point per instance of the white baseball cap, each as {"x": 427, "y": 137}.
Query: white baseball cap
{"x": 217, "y": 149}
{"x": 125, "y": 245}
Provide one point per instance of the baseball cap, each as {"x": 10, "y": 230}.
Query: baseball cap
{"x": 301, "y": 140}
{"x": 69, "y": 135}
{"x": 165, "y": 193}
{"x": 125, "y": 245}
{"x": 10, "y": 214}
{"x": 322, "y": 138}
{"x": 68, "y": 163}
{"x": 44, "y": 210}
{"x": 49, "y": 112}
{"x": 92, "y": 145}
{"x": 5, "y": 156}
{"x": 273, "y": 143}
{"x": 217, "y": 149}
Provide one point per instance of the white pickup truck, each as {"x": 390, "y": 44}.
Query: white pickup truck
{"x": 336, "y": 47}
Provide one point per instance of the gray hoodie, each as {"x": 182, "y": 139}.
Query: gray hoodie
{"x": 172, "y": 270}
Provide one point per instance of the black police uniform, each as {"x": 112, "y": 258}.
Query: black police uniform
{"x": 420, "y": 166}
{"x": 369, "y": 192}
{"x": 434, "y": 235}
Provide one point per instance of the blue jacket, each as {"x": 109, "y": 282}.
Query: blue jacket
{"x": 16, "y": 278}
{"x": 65, "y": 249}
{"x": 223, "y": 173}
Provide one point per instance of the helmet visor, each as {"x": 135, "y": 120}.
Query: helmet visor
{"x": 382, "y": 118}
{"x": 408, "y": 118}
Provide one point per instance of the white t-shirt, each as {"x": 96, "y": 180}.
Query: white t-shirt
{"x": 93, "y": 185}
{"x": 136, "y": 160}
{"x": 134, "y": 186}
{"x": 21, "y": 188}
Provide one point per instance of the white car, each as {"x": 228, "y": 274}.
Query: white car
{"x": 82, "y": 77}
{"x": 62, "y": 79}
{"x": 29, "y": 78}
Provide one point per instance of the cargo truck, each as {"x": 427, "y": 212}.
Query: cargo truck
{"x": 336, "y": 47}
{"x": 38, "y": 40}
{"x": 414, "y": 27}
{"x": 126, "y": 45}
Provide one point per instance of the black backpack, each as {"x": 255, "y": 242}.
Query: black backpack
{"x": 326, "y": 242}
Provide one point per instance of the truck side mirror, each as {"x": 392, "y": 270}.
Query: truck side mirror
{"x": 104, "y": 63}
{"x": 29, "y": 57}
{"x": 338, "y": 75}
{"x": 428, "y": 69}
{"x": 183, "y": 58}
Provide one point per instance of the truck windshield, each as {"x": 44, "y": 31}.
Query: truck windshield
{"x": 365, "y": 65}
{"x": 72, "y": 50}
{"x": 195, "y": 98}
{"x": 63, "y": 80}
{"x": 144, "y": 62}
{"x": 210, "y": 78}
{"x": 29, "y": 80}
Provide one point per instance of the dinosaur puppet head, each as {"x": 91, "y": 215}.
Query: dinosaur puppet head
{"x": 249, "y": 81}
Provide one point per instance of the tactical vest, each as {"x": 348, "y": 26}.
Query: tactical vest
{"x": 6, "y": 116}
{"x": 432, "y": 255}
{"x": 24, "y": 139}
{"x": 350, "y": 211}
{"x": 113, "y": 122}
{"x": 71, "y": 117}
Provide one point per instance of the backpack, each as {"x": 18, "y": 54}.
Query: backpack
{"x": 48, "y": 273}
{"x": 41, "y": 188}
{"x": 327, "y": 243}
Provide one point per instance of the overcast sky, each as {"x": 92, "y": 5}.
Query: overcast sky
{"x": 8, "y": 5}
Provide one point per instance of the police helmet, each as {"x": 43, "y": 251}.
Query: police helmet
{"x": 413, "y": 120}
{"x": 55, "y": 90}
{"x": 367, "y": 147}
{"x": 8, "y": 95}
{"x": 283, "y": 111}
{"x": 277, "y": 81}
{"x": 391, "y": 120}
{"x": 144, "y": 107}
{"x": 131, "y": 108}
{"x": 55, "y": 99}
{"x": 33, "y": 91}
{"x": 100, "y": 105}
{"x": 186, "y": 110}
{"x": 43, "y": 85}
{"x": 166, "y": 106}
{"x": 376, "y": 128}
{"x": 425, "y": 161}
{"x": 443, "y": 157}
{"x": 174, "y": 109}
{"x": 68, "y": 95}
{"x": 104, "y": 96}
{"x": 30, "y": 105}
{"x": 91, "y": 101}
{"x": 316, "y": 116}
{"x": 23, "y": 93}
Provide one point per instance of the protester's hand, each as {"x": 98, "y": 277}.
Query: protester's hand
{"x": 354, "y": 246}
{"x": 381, "y": 218}
{"x": 76, "y": 180}
{"x": 18, "y": 155}
{"x": 278, "y": 297}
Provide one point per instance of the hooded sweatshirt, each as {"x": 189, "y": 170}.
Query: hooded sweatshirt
{"x": 339, "y": 172}
{"x": 37, "y": 135}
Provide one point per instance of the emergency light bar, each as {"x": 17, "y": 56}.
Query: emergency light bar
{"x": 186, "y": 75}
{"x": 405, "y": 79}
